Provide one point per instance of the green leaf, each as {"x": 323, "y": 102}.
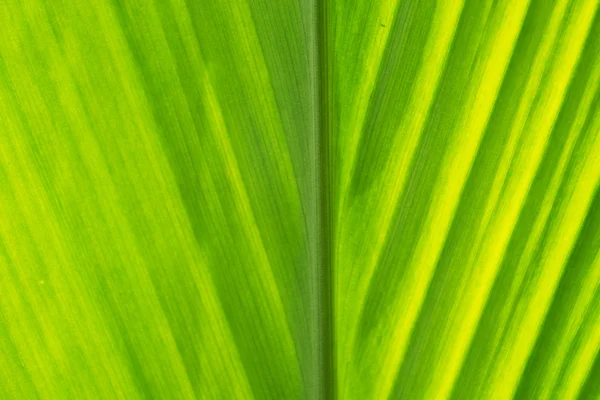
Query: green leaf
{"x": 310, "y": 199}
{"x": 467, "y": 159}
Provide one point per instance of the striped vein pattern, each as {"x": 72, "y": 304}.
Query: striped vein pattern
{"x": 159, "y": 195}
{"x": 466, "y": 165}
{"x": 156, "y": 188}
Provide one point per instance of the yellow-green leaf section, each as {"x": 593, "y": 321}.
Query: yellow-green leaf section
{"x": 466, "y": 163}
{"x": 300, "y": 199}
{"x": 157, "y": 182}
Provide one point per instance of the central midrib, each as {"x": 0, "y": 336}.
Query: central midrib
{"x": 326, "y": 386}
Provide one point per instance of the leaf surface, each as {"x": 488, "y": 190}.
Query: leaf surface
{"x": 305, "y": 199}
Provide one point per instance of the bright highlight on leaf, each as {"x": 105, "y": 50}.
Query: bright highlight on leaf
{"x": 314, "y": 199}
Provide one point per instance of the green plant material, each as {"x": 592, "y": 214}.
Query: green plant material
{"x": 315, "y": 199}
{"x": 467, "y": 248}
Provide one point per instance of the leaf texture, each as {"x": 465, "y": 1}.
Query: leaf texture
{"x": 157, "y": 195}
{"x": 466, "y": 176}
{"x": 314, "y": 199}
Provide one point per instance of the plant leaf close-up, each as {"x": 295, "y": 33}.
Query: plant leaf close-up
{"x": 300, "y": 199}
